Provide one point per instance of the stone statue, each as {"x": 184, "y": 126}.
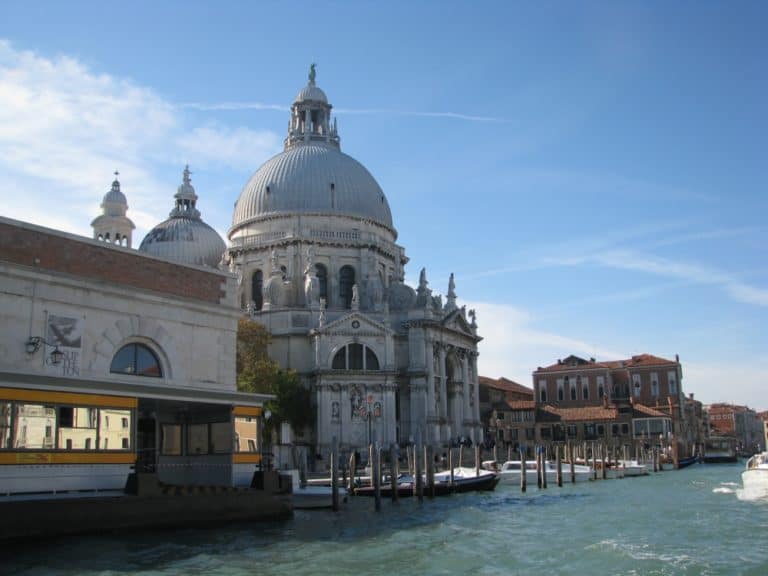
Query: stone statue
{"x": 473, "y": 316}
{"x": 423, "y": 278}
{"x": 321, "y": 317}
{"x": 312, "y": 73}
{"x": 450, "y": 305}
{"x": 311, "y": 283}
{"x": 423, "y": 293}
{"x": 355, "y": 298}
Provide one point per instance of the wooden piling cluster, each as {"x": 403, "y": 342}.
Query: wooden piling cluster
{"x": 422, "y": 464}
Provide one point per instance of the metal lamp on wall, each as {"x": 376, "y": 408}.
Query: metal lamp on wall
{"x": 34, "y": 343}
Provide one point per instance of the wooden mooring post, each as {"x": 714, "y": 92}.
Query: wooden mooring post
{"x": 394, "y": 468}
{"x": 429, "y": 470}
{"x": 375, "y": 477}
{"x": 335, "y": 475}
{"x": 477, "y": 460}
{"x": 603, "y": 471}
{"x": 418, "y": 479}
{"x": 352, "y": 470}
{"x": 523, "y": 475}
{"x": 559, "y": 466}
{"x": 450, "y": 463}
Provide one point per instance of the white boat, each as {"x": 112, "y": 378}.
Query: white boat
{"x": 633, "y": 468}
{"x": 308, "y": 496}
{"x": 755, "y": 477}
{"x": 510, "y": 472}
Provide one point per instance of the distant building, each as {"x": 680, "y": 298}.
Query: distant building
{"x": 498, "y": 401}
{"x": 639, "y": 399}
{"x": 740, "y": 422}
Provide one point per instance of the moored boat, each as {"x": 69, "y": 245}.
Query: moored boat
{"x": 510, "y": 472}
{"x": 633, "y": 468}
{"x": 755, "y": 477}
{"x": 307, "y": 496}
{"x": 720, "y": 449}
{"x": 464, "y": 480}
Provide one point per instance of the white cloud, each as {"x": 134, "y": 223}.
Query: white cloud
{"x": 732, "y": 382}
{"x": 513, "y": 348}
{"x": 65, "y": 128}
{"x": 685, "y": 271}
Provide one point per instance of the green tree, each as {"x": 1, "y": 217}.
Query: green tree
{"x": 257, "y": 372}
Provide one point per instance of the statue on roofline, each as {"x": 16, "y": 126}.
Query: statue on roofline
{"x": 312, "y": 73}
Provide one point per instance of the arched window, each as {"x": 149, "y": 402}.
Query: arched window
{"x": 136, "y": 360}
{"x": 257, "y": 289}
{"x": 322, "y": 281}
{"x": 346, "y": 281}
{"x": 355, "y": 357}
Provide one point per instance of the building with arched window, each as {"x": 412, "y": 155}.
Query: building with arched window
{"x": 123, "y": 362}
{"x": 386, "y": 362}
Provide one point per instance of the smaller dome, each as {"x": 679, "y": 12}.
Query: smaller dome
{"x": 311, "y": 92}
{"x": 185, "y": 240}
{"x": 184, "y": 237}
{"x": 114, "y": 196}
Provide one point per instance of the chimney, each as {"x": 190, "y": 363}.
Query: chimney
{"x": 677, "y": 358}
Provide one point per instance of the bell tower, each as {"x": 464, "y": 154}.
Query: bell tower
{"x": 113, "y": 225}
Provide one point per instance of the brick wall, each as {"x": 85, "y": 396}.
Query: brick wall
{"x": 60, "y": 252}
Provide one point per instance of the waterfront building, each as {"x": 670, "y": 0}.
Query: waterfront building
{"x": 113, "y": 360}
{"x": 639, "y": 399}
{"x": 314, "y": 248}
{"x": 499, "y": 400}
{"x": 739, "y": 422}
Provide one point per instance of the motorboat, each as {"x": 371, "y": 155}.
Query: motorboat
{"x": 510, "y": 472}
{"x": 633, "y": 468}
{"x": 467, "y": 479}
{"x": 464, "y": 480}
{"x": 755, "y": 477}
{"x": 309, "y": 496}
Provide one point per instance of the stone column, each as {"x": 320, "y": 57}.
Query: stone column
{"x": 388, "y": 409}
{"x": 429, "y": 359}
{"x": 443, "y": 381}
{"x": 476, "y": 395}
{"x": 467, "y": 416}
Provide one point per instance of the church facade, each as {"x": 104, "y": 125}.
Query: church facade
{"x": 315, "y": 250}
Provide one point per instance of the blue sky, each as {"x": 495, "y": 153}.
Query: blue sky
{"x": 593, "y": 173}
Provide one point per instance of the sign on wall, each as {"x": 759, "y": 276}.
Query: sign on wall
{"x": 67, "y": 334}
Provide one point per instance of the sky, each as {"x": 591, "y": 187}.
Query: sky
{"x": 593, "y": 173}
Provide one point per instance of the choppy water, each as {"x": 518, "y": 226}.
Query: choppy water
{"x": 677, "y": 522}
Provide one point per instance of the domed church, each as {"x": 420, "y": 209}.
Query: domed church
{"x": 315, "y": 252}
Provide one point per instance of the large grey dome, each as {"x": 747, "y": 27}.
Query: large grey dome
{"x": 312, "y": 178}
{"x": 184, "y": 237}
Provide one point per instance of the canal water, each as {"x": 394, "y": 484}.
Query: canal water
{"x": 689, "y": 521}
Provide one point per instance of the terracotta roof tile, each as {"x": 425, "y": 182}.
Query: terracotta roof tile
{"x": 585, "y": 413}
{"x": 506, "y": 385}
{"x": 642, "y": 411}
{"x": 574, "y": 363}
